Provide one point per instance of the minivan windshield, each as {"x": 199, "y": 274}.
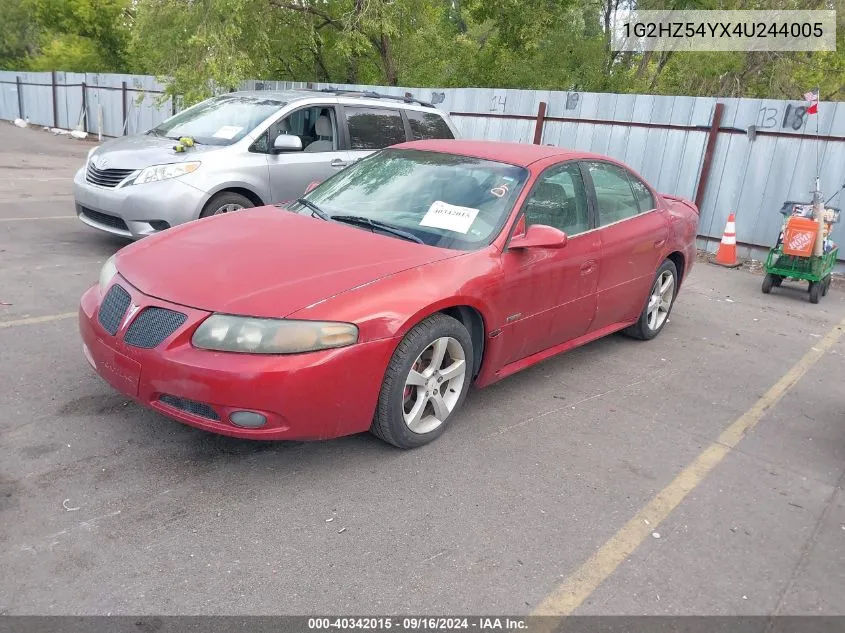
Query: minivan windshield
{"x": 439, "y": 199}
{"x": 220, "y": 120}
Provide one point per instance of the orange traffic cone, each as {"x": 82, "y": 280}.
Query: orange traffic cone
{"x": 726, "y": 255}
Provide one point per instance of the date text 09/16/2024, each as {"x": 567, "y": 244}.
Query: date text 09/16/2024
{"x": 419, "y": 623}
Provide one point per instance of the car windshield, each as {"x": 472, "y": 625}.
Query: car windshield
{"x": 219, "y": 121}
{"x": 444, "y": 200}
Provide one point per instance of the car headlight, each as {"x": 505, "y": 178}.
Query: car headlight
{"x": 227, "y": 333}
{"x": 155, "y": 173}
{"x": 107, "y": 272}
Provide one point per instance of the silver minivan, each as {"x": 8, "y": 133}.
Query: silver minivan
{"x": 239, "y": 150}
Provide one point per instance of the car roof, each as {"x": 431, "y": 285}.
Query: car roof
{"x": 521, "y": 154}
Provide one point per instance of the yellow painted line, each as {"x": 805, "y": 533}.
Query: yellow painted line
{"x": 41, "y": 319}
{"x": 49, "y": 217}
{"x": 574, "y": 590}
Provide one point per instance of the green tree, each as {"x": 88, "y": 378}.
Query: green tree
{"x": 18, "y": 34}
{"x": 81, "y": 35}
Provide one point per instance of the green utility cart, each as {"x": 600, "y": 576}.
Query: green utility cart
{"x": 816, "y": 270}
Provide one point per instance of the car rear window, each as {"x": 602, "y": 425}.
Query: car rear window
{"x": 426, "y": 125}
{"x": 374, "y": 128}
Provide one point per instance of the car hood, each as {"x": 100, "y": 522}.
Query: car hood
{"x": 265, "y": 262}
{"x": 143, "y": 150}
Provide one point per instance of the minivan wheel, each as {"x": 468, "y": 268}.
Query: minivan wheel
{"x": 225, "y": 202}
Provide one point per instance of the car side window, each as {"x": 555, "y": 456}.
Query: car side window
{"x": 559, "y": 199}
{"x": 374, "y": 128}
{"x": 316, "y": 127}
{"x": 641, "y": 193}
{"x": 426, "y": 125}
{"x": 614, "y": 195}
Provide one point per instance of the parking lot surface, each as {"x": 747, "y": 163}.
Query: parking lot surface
{"x": 724, "y": 437}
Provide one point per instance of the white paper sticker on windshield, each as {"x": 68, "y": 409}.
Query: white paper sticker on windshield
{"x": 442, "y": 215}
{"x": 228, "y": 132}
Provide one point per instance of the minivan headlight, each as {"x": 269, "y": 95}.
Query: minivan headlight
{"x": 228, "y": 333}
{"x": 155, "y": 173}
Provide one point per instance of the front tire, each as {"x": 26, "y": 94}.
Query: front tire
{"x": 768, "y": 283}
{"x": 425, "y": 384}
{"x": 659, "y": 303}
{"x": 225, "y": 202}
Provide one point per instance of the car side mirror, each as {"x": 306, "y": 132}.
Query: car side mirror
{"x": 287, "y": 143}
{"x": 311, "y": 186}
{"x": 539, "y": 236}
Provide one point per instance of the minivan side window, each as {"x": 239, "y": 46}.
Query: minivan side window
{"x": 315, "y": 126}
{"x": 426, "y": 125}
{"x": 374, "y": 128}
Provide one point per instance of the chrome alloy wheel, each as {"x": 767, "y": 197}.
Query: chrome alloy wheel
{"x": 434, "y": 385}
{"x": 227, "y": 208}
{"x": 660, "y": 301}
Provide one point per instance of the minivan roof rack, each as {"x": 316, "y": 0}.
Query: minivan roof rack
{"x": 371, "y": 94}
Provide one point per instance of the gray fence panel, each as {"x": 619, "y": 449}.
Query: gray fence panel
{"x": 37, "y": 98}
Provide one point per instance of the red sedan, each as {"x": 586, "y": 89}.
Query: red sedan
{"x": 373, "y": 302}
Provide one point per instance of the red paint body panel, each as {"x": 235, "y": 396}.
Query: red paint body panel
{"x": 264, "y": 262}
{"x": 534, "y": 303}
{"x": 289, "y": 390}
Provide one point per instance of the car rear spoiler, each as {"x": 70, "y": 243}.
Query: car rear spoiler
{"x": 677, "y": 199}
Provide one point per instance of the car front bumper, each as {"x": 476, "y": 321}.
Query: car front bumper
{"x": 136, "y": 211}
{"x": 311, "y": 396}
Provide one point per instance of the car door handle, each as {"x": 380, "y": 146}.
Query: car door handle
{"x": 338, "y": 163}
{"x": 659, "y": 243}
{"x": 587, "y": 267}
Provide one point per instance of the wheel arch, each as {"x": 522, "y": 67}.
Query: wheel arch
{"x": 469, "y": 314}
{"x": 677, "y": 258}
{"x": 246, "y": 192}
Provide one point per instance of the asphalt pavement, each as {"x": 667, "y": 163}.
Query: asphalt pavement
{"x": 699, "y": 473}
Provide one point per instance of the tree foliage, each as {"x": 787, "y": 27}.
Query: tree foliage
{"x": 545, "y": 44}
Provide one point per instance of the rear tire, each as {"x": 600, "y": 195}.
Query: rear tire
{"x": 425, "y": 384}
{"x": 658, "y": 305}
{"x": 815, "y": 291}
{"x": 825, "y": 285}
{"x": 225, "y": 202}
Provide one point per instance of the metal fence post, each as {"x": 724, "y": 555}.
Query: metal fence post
{"x": 55, "y": 99}
{"x": 84, "y": 108}
{"x": 172, "y": 105}
{"x": 20, "y": 96}
{"x": 125, "y": 109}
{"x": 712, "y": 135}
{"x": 538, "y": 126}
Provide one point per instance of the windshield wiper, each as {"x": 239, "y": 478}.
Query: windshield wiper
{"x": 359, "y": 220}
{"x": 315, "y": 210}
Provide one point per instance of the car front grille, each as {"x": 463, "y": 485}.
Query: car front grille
{"x": 113, "y": 308}
{"x": 193, "y": 407}
{"x": 105, "y": 219}
{"x": 152, "y": 326}
{"x": 106, "y": 177}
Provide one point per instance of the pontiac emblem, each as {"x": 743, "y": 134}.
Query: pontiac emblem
{"x": 131, "y": 313}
